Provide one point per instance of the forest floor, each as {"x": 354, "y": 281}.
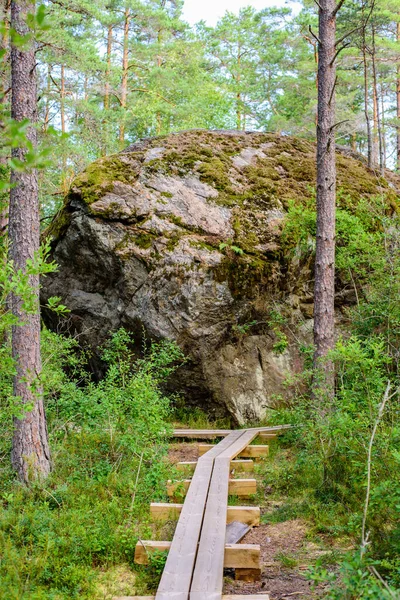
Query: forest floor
{"x": 290, "y": 546}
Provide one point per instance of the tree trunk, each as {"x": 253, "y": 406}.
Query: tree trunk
{"x": 384, "y": 148}
{"x": 377, "y": 116}
{"x": 30, "y": 451}
{"x": 238, "y": 112}
{"x": 324, "y": 294}
{"x": 62, "y": 99}
{"x": 4, "y": 84}
{"x": 398, "y": 100}
{"x": 108, "y": 68}
{"x": 124, "y": 82}
{"x": 375, "y": 139}
{"x": 46, "y": 119}
{"x": 366, "y": 110}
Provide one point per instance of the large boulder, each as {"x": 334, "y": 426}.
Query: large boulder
{"x": 180, "y": 237}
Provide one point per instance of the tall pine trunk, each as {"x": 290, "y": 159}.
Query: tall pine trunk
{"x": 124, "y": 81}
{"x": 366, "y": 95}
{"x": 324, "y": 294}
{"x": 4, "y": 83}
{"x": 398, "y": 100}
{"x": 366, "y": 110}
{"x": 30, "y": 452}
{"x": 108, "y": 67}
{"x": 377, "y": 116}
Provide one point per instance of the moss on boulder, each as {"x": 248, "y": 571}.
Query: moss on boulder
{"x": 182, "y": 236}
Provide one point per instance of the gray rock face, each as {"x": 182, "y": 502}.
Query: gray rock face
{"x": 181, "y": 237}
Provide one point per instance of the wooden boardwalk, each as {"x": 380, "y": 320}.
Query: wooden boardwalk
{"x": 198, "y": 552}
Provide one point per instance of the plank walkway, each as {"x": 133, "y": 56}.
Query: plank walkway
{"x": 198, "y": 552}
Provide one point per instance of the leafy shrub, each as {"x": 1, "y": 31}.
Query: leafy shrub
{"x": 108, "y": 444}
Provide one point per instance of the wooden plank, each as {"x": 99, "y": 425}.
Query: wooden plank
{"x": 242, "y": 556}
{"x": 145, "y": 547}
{"x": 245, "y": 514}
{"x": 186, "y": 466}
{"x": 201, "y": 434}
{"x": 244, "y": 464}
{"x": 249, "y": 575}
{"x": 177, "y": 575}
{"x": 163, "y": 511}
{"x": 213, "y": 433}
{"x": 229, "y": 597}
{"x": 176, "y": 489}
{"x": 235, "y": 532}
{"x": 267, "y": 436}
{"x": 250, "y": 515}
{"x": 242, "y": 487}
{"x": 208, "y": 572}
{"x": 255, "y": 451}
{"x": 235, "y": 556}
{"x": 236, "y": 487}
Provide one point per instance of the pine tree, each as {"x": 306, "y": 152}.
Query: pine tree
{"x": 324, "y": 294}
{"x": 30, "y": 451}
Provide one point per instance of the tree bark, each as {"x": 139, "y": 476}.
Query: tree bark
{"x": 383, "y": 128}
{"x": 375, "y": 139}
{"x": 377, "y": 117}
{"x": 30, "y": 451}
{"x": 366, "y": 97}
{"x": 324, "y": 294}
{"x": 62, "y": 99}
{"x": 4, "y": 84}
{"x": 46, "y": 119}
{"x": 124, "y": 81}
{"x": 366, "y": 110}
{"x": 108, "y": 68}
{"x": 398, "y": 100}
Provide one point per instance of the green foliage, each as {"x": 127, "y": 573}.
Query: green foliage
{"x": 326, "y": 478}
{"x": 157, "y": 560}
{"x": 362, "y": 230}
{"x": 358, "y": 579}
{"x": 232, "y": 247}
{"x": 108, "y": 442}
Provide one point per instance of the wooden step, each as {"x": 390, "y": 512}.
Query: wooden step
{"x": 255, "y": 451}
{"x": 263, "y": 437}
{"x": 236, "y": 487}
{"x": 201, "y": 434}
{"x": 178, "y": 572}
{"x": 229, "y": 597}
{"x": 236, "y": 465}
{"x": 250, "y": 515}
{"x": 237, "y": 556}
{"x": 210, "y": 434}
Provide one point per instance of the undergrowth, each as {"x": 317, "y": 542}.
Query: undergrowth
{"x": 60, "y": 539}
{"x": 338, "y": 467}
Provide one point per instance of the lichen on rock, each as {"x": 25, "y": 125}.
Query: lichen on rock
{"x": 182, "y": 236}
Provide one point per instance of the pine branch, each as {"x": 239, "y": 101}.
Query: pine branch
{"x": 338, "y": 52}
{"x": 314, "y": 36}
{"x": 340, "y": 40}
{"x": 338, "y": 7}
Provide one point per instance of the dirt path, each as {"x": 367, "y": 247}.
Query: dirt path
{"x": 282, "y": 545}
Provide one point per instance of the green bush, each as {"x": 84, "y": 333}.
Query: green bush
{"x": 108, "y": 442}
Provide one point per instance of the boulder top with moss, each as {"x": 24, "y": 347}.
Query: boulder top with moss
{"x": 180, "y": 237}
